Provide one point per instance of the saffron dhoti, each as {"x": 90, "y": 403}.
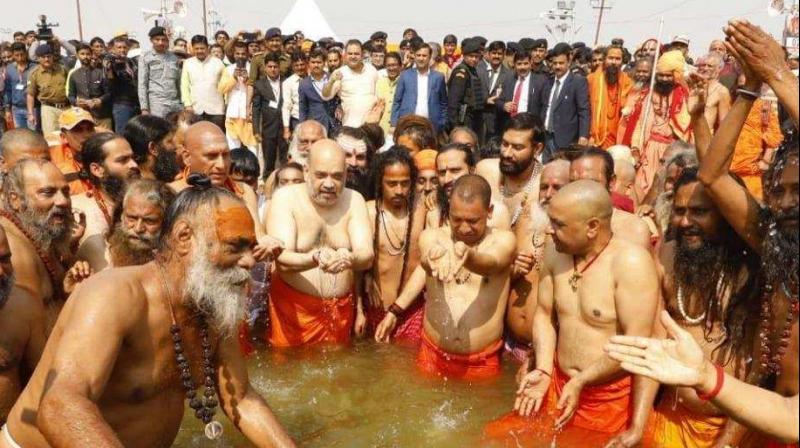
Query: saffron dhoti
{"x": 433, "y": 360}
{"x": 603, "y": 411}
{"x": 673, "y": 426}
{"x": 298, "y": 319}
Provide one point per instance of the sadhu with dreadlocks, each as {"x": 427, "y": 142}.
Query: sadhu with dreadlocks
{"x": 397, "y": 224}
{"x": 770, "y": 229}
{"x": 710, "y": 284}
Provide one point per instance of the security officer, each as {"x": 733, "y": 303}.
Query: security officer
{"x": 466, "y": 95}
{"x": 378, "y": 39}
{"x": 47, "y": 84}
{"x": 274, "y": 40}
{"x": 538, "y": 54}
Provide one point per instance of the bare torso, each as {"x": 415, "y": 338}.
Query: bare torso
{"x": 384, "y": 283}
{"x": 32, "y": 274}
{"x": 717, "y": 104}
{"x": 466, "y": 318}
{"x": 516, "y": 204}
{"x": 524, "y": 290}
{"x": 92, "y": 246}
{"x": 143, "y": 399}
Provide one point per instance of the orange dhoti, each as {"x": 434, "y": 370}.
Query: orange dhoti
{"x": 483, "y": 365}
{"x": 673, "y": 426}
{"x": 603, "y": 412}
{"x": 298, "y": 319}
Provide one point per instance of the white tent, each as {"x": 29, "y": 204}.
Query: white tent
{"x": 306, "y": 17}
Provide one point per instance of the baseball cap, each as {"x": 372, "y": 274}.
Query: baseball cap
{"x": 681, "y": 39}
{"x": 273, "y": 32}
{"x": 73, "y": 116}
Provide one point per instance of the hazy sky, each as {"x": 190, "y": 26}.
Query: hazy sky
{"x": 633, "y": 20}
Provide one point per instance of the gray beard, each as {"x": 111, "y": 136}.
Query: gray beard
{"x": 45, "y": 235}
{"x": 214, "y": 293}
{"x": 129, "y": 250}
{"x": 6, "y": 284}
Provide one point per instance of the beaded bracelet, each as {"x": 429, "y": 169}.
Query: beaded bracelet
{"x": 717, "y": 388}
{"x": 396, "y": 310}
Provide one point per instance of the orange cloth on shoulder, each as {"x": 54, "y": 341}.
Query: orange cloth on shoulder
{"x": 300, "y": 319}
{"x": 483, "y": 365}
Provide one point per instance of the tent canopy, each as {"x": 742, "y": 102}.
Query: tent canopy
{"x": 306, "y": 17}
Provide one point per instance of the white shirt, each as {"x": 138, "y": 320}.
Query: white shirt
{"x": 199, "y": 82}
{"x": 276, "y": 88}
{"x": 237, "y": 98}
{"x": 422, "y": 93}
{"x": 357, "y": 92}
{"x": 493, "y": 75}
{"x": 291, "y": 99}
{"x": 523, "y": 96}
{"x": 551, "y": 102}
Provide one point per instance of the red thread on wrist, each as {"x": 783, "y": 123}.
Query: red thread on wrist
{"x": 717, "y": 388}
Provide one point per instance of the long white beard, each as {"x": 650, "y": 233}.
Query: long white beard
{"x": 218, "y": 293}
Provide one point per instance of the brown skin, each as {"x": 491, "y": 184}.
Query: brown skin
{"x": 77, "y": 136}
{"x": 14, "y": 154}
{"x": 642, "y": 72}
{"x": 45, "y": 188}
{"x": 22, "y": 339}
{"x": 99, "y": 349}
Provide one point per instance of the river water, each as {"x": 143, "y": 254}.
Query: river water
{"x": 365, "y": 395}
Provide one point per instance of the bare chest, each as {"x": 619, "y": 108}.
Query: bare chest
{"x": 587, "y": 296}
{"x": 315, "y": 232}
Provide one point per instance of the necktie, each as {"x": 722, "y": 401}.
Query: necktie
{"x": 553, "y": 101}
{"x": 517, "y": 96}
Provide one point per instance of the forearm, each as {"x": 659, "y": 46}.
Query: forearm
{"x": 412, "y": 289}
{"x": 644, "y": 394}
{"x": 544, "y": 342}
{"x": 362, "y": 258}
{"x": 31, "y": 101}
{"x": 786, "y": 89}
{"x": 330, "y": 90}
{"x": 702, "y": 136}
{"x": 253, "y": 417}
{"x": 290, "y": 261}
{"x": 715, "y": 162}
{"x": 483, "y": 264}
{"x": 85, "y": 426}
{"x": 602, "y": 371}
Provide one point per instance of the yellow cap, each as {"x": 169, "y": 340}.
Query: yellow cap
{"x": 120, "y": 32}
{"x": 72, "y": 116}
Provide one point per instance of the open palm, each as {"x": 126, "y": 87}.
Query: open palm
{"x": 677, "y": 361}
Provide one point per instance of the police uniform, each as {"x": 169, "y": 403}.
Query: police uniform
{"x": 465, "y": 94}
{"x": 49, "y": 87}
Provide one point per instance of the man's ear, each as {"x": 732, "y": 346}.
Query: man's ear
{"x": 612, "y": 183}
{"x": 97, "y": 170}
{"x": 491, "y": 211}
{"x": 14, "y": 200}
{"x": 182, "y": 236}
{"x": 152, "y": 149}
{"x": 592, "y": 228}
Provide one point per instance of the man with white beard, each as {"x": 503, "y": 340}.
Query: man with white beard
{"x": 117, "y": 372}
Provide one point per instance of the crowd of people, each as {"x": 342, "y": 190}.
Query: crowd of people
{"x": 621, "y": 223}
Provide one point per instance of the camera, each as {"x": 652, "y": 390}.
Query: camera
{"x": 44, "y": 30}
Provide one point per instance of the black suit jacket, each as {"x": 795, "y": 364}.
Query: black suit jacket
{"x": 267, "y": 119}
{"x": 571, "y": 117}
{"x": 536, "y": 86}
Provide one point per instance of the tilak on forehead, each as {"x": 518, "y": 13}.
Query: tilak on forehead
{"x": 234, "y": 222}
{"x": 350, "y": 144}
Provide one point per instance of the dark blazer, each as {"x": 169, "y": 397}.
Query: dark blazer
{"x": 502, "y": 78}
{"x": 405, "y": 97}
{"x": 536, "y": 86}
{"x": 267, "y": 119}
{"x": 313, "y": 107}
{"x": 571, "y": 118}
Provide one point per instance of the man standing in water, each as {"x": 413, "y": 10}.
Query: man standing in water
{"x": 467, "y": 269}
{"x": 593, "y": 285}
{"x": 325, "y": 232}
{"x": 398, "y": 223}
{"x": 117, "y": 372}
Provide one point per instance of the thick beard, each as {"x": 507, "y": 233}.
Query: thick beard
{"x": 444, "y": 203}
{"x": 46, "y": 235}
{"x": 697, "y": 270}
{"x": 114, "y": 187}
{"x": 664, "y": 88}
{"x": 214, "y": 291}
{"x": 166, "y": 166}
{"x": 780, "y": 251}
{"x": 6, "y": 283}
{"x": 358, "y": 180}
{"x": 516, "y": 168}
{"x": 612, "y": 74}
{"x": 129, "y": 249}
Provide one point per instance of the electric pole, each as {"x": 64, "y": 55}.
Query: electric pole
{"x": 602, "y": 6}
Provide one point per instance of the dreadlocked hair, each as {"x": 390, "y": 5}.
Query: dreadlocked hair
{"x": 740, "y": 317}
{"x": 396, "y": 155}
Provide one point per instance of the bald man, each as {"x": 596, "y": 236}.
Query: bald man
{"x": 22, "y": 337}
{"x": 594, "y": 285}
{"x": 597, "y": 165}
{"x": 718, "y": 101}
{"x": 625, "y": 177}
{"x": 525, "y": 274}
{"x": 207, "y": 152}
{"x": 325, "y": 232}
{"x": 18, "y": 144}
{"x": 466, "y": 270}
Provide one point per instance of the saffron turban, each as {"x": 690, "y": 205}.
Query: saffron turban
{"x": 671, "y": 61}
{"x": 425, "y": 160}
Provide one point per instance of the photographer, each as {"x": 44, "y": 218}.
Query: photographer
{"x": 122, "y": 73}
{"x": 87, "y": 87}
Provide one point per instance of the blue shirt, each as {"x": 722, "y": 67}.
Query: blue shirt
{"x": 16, "y": 89}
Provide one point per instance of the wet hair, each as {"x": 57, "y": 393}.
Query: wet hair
{"x": 471, "y": 187}
{"x": 787, "y": 151}
{"x": 142, "y": 130}
{"x": 93, "y": 152}
{"x": 595, "y": 152}
{"x": 527, "y": 122}
{"x": 396, "y": 155}
{"x": 195, "y": 202}
{"x": 419, "y": 129}
{"x": 244, "y": 162}
{"x": 728, "y": 257}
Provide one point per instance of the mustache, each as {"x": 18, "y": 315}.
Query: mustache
{"x": 782, "y": 215}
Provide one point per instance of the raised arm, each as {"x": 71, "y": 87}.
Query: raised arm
{"x": 736, "y": 204}
{"x": 94, "y": 330}
{"x": 246, "y": 409}
{"x": 333, "y": 86}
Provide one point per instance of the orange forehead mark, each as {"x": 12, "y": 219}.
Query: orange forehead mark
{"x": 234, "y": 222}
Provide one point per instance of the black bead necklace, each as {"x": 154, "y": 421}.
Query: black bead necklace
{"x": 205, "y": 406}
